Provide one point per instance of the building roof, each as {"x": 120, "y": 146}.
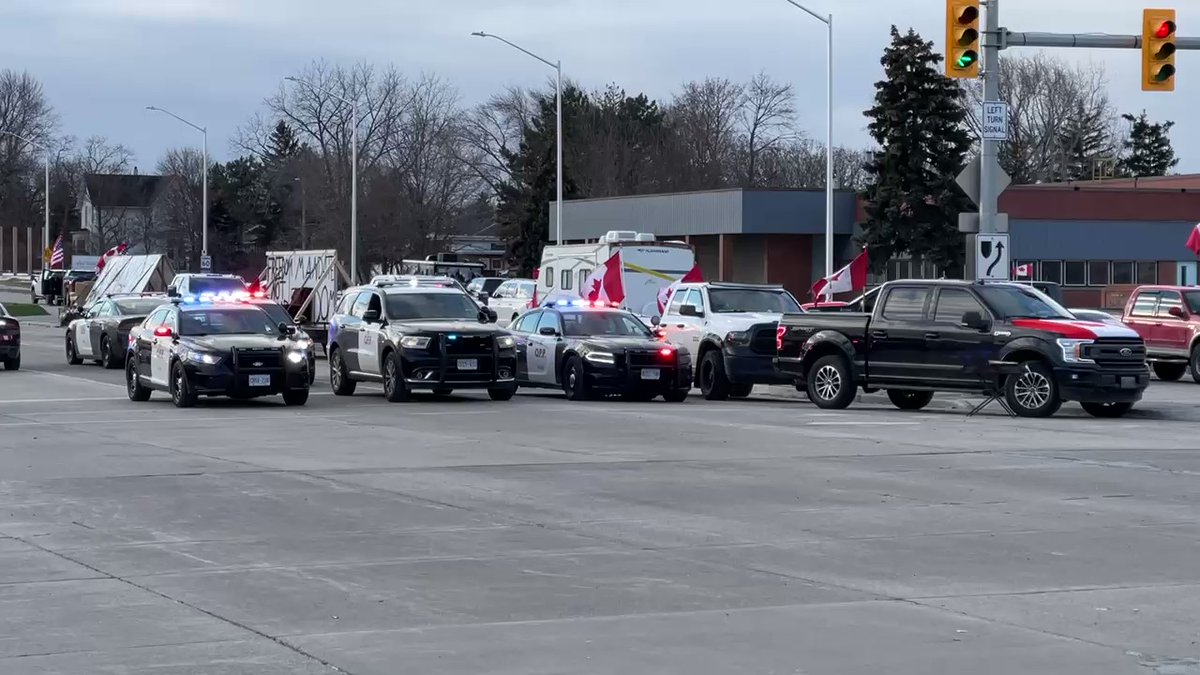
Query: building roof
{"x": 122, "y": 191}
{"x": 1189, "y": 181}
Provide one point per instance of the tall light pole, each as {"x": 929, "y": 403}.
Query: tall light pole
{"x": 353, "y": 171}
{"x": 303, "y": 214}
{"x": 203, "y": 177}
{"x": 557, "y": 66}
{"x": 828, "y": 21}
{"x": 46, "y": 203}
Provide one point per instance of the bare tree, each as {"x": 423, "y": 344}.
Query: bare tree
{"x": 25, "y": 112}
{"x": 705, "y": 116}
{"x": 493, "y": 129}
{"x": 175, "y": 224}
{"x": 767, "y": 118}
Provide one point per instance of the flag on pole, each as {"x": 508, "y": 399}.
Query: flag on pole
{"x": 852, "y": 277}
{"x": 533, "y": 302}
{"x": 57, "y": 255}
{"x": 119, "y": 249}
{"x": 606, "y": 283}
{"x": 694, "y": 276}
{"x": 1193, "y": 241}
{"x": 1023, "y": 271}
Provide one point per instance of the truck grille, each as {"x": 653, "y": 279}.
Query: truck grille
{"x": 251, "y": 360}
{"x": 468, "y": 345}
{"x": 1116, "y": 351}
{"x": 643, "y": 359}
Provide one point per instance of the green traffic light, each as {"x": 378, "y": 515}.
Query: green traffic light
{"x": 966, "y": 59}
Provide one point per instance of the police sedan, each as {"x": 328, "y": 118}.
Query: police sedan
{"x": 101, "y": 333}
{"x": 589, "y": 349}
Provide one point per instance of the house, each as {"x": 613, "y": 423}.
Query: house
{"x": 116, "y": 208}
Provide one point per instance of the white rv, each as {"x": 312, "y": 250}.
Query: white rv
{"x": 650, "y": 266}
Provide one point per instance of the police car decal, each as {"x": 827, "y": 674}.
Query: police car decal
{"x": 83, "y": 338}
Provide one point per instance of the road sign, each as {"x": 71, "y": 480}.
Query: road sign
{"x": 995, "y": 121}
{"x": 991, "y": 257}
{"x": 968, "y": 180}
{"x": 206, "y": 263}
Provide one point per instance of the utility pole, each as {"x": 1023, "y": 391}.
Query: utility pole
{"x": 989, "y": 197}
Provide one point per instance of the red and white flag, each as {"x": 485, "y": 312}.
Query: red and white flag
{"x": 533, "y": 302}
{"x": 606, "y": 283}
{"x": 694, "y": 276}
{"x": 852, "y": 277}
{"x": 1193, "y": 242}
{"x": 1023, "y": 271}
{"x": 119, "y": 249}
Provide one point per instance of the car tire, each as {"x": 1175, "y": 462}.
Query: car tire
{"x": 740, "y": 390}
{"x": 714, "y": 384}
{"x": 72, "y": 354}
{"x": 1033, "y": 393}
{"x": 502, "y": 393}
{"x": 1107, "y": 410}
{"x": 182, "y": 394}
{"x": 1194, "y": 364}
{"x": 108, "y": 360}
{"x": 133, "y": 385}
{"x": 394, "y": 387}
{"x": 676, "y": 395}
{"x": 574, "y": 380}
{"x": 908, "y": 399}
{"x": 339, "y": 375}
{"x": 34, "y": 299}
{"x": 13, "y": 363}
{"x": 1170, "y": 372}
{"x": 830, "y": 384}
{"x": 295, "y": 397}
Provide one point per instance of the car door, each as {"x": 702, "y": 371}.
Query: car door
{"x": 543, "y": 349}
{"x": 143, "y": 342}
{"x": 84, "y": 343}
{"x": 897, "y": 337}
{"x": 160, "y": 347}
{"x": 370, "y": 334}
{"x": 522, "y": 330}
{"x": 683, "y": 330}
{"x": 1171, "y": 333}
{"x": 955, "y": 354}
{"x": 348, "y": 330}
{"x": 1143, "y": 315}
{"x": 104, "y": 314}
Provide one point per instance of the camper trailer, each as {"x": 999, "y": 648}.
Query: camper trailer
{"x": 649, "y": 266}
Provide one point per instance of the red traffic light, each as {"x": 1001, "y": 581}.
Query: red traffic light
{"x": 1165, "y": 29}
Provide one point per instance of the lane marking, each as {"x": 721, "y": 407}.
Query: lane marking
{"x": 75, "y": 378}
{"x": 64, "y": 400}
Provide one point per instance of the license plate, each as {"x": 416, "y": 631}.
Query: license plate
{"x": 1129, "y": 382}
{"x": 468, "y": 364}
{"x": 260, "y": 380}
{"x": 650, "y": 373}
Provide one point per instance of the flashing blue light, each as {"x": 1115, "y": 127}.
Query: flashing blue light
{"x": 579, "y": 303}
{"x": 451, "y": 337}
{"x": 190, "y": 298}
{"x": 562, "y": 303}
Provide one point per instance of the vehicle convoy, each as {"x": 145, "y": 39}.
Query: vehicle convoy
{"x": 10, "y": 340}
{"x": 1168, "y": 319}
{"x": 998, "y": 338}
{"x": 191, "y": 348}
{"x": 590, "y": 349}
{"x": 101, "y": 333}
{"x": 411, "y": 336}
{"x": 648, "y": 267}
{"x": 729, "y": 331}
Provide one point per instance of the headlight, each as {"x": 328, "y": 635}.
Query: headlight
{"x": 506, "y": 342}
{"x": 1072, "y": 350}
{"x": 601, "y": 357}
{"x": 201, "y": 357}
{"x": 297, "y": 356}
{"x": 414, "y": 342}
{"x": 303, "y": 343}
{"x": 738, "y": 337}
{"x": 3, "y": 322}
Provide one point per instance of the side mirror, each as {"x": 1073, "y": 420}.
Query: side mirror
{"x": 655, "y": 320}
{"x": 286, "y": 328}
{"x": 690, "y": 310}
{"x": 483, "y": 296}
{"x": 172, "y": 292}
{"x": 302, "y": 319}
{"x": 974, "y": 321}
{"x": 1177, "y": 312}
{"x": 547, "y": 331}
{"x": 371, "y": 316}
{"x": 487, "y": 315}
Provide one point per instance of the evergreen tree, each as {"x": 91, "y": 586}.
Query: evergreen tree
{"x": 1148, "y": 150}
{"x": 920, "y": 125}
{"x": 283, "y": 145}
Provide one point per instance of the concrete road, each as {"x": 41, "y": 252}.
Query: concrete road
{"x": 541, "y": 536}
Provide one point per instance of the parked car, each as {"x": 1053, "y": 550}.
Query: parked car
{"x": 928, "y": 336}
{"x": 1168, "y": 319}
{"x": 482, "y": 288}
{"x": 511, "y": 299}
{"x": 10, "y": 340}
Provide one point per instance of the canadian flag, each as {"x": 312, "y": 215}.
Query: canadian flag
{"x": 852, "y": 277}
{"x": 1023, "y": 271}
{"x": 533, "y": 302}
{"x": 694, "y": 276}
{"x": 1193, "y": 242}
{"x": 606, "y": 283}
{"x": 119, "y": 249}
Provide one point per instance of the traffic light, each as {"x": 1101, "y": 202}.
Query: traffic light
{"x": 1158, "y": 50}
{"x": 962, "y": 38}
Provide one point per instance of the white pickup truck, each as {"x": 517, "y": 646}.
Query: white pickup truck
{"x": 730, "y": 331}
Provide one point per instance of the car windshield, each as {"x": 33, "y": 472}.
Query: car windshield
{"x": 611, "y": 324}
{"x": 197, "y": 286}
{"x": 1022, "y": 302}
{"x": 277, "y": 313}
{"x": 226, "y": 321}
{"x": 138, "y": 306}
{"x": 771, "y": 301}
{"x": 1193, "y": 301}
{"x": 409, "y": 306}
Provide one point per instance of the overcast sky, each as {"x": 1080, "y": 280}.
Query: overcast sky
{"x": 213, "y": 61}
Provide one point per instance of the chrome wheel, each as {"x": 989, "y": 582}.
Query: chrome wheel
{"x": 828, "y": 382}
{"x": 1032, "y": 390}
{"x": 571, "y": 379}
{"x": 335, "y": 370}
{"x": 177, "y": 391}
{"x": 389, "y": 376}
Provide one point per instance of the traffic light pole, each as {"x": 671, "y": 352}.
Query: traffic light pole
{"x": 989, "y": 196}
{"x": 1086, "y": 41}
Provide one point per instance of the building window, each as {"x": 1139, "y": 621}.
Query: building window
{"x": 1074, "y": 273}
{"x": 1122, "y": 273}
{"x": 1098, "y": 273}
{"x": 1147, "y": 273}
{"x": 1050, "y": 270}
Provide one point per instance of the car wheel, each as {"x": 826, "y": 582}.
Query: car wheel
{"x": 339, "y": 375}
{"x": 33, "y": 298}
{"x": 1109, "y": 410}
{"x": 133, "y": 384}
{"x": 574, "y": 381}
{"x": 676, "y": 395}
{"x": 181, "y": 390}
{"x": 394, "y": 387}
{"x": 907, "y": 399}
{"x": 740, "y": 390}
{"x": 295, "y": 397}
{"x": 1170, "y": 372}
{"x": 72, "y": 355}
{"x": 830, "y": 384}
{"x": 1033, "y": 393}
{"x": 502, "y": 393}
{"x": 107, "y": 359}
{"x": 1194, "y": 364}
{"x": 13, "y": 362}
{"x": 714, "y": 385}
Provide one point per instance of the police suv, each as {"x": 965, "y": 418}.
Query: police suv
{"x": 216, "y": 346}
{"x": 418, "y": 333}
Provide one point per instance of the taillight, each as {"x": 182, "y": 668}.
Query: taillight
{"x": 780, "y": 331}
{"x": 666, "y": 352}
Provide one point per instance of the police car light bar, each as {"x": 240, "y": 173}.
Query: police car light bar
{"x": 598, "y": 304}
{"x": 223, "y": 296}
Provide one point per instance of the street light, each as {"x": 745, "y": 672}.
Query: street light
{"x": 828, "y": 21}
{"x": 46, "y": 204}
{"x": 203, "y": 177}
{"x": 303, "y": 214}
{"x": 353, "y": 171}
{"x": 557, "y": 66}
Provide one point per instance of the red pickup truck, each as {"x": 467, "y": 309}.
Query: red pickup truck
{"x": 1168, "y": 320}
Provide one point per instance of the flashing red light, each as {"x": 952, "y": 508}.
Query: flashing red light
{"x": 780, "y": 331}
{"x": 162, "y": 331}
{"x": 259, "y": 294}
{"x": 666, "y": 351}
{"x": 1165, "y": 29}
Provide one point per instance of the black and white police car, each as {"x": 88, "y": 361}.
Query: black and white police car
{"x": 587, "y": 349}
{"x": 101, "y": 333}
{"x": 216, "y": 346}
{"x": 413, "y": 333}
{"x": 10, "y": 340}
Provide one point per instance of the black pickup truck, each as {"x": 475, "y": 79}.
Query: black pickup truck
{"x": 927, "y": 336}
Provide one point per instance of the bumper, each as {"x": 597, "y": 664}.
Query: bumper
{"x": 218, "y": 381}
{"x": 639, "y": 379}
{"x": 744, "y": 366}
{"x": 10, "y": 350}
{"x": 443, "y": 372}
{"x": 1094, "y": 385}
